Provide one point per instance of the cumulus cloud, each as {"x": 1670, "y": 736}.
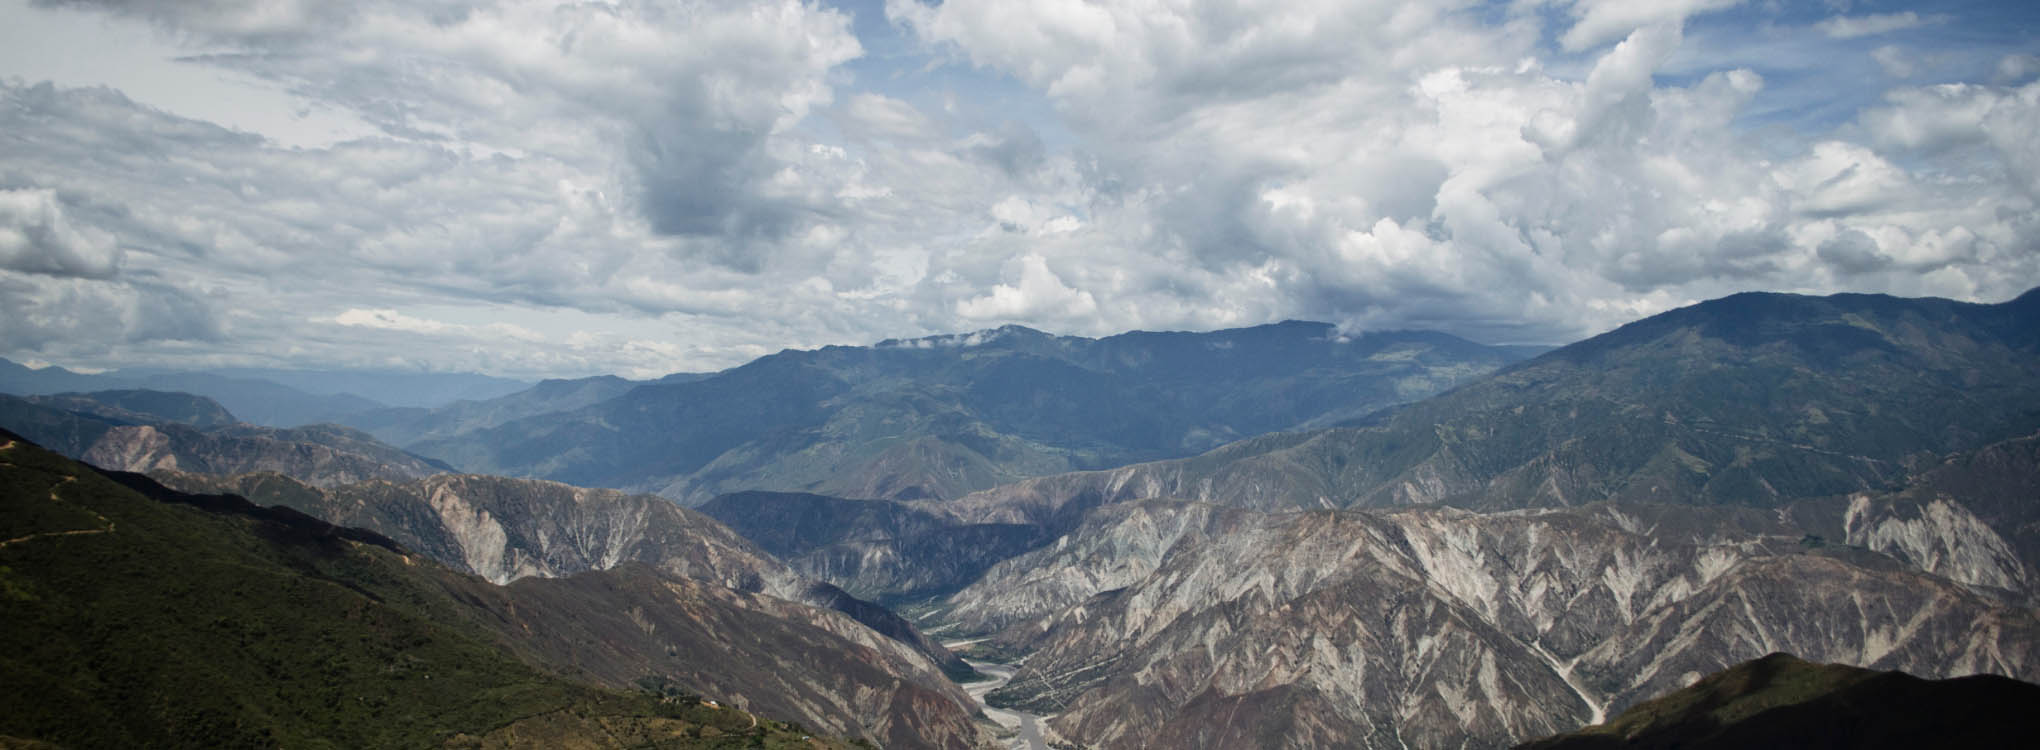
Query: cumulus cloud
{"x": 566, "y": 188}
{"x": 692, "y": 93}
{"x": 1385, "y": 164}
{"x": 1036, "y": 293}
{"x": 35, "y": 237}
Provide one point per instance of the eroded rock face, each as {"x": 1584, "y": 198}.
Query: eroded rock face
{"x": 1437, "y": 627}
{"x": 319, "y": 455}
{"x": 508, "y": 529}
{"x": 777, "y": 657}
{"x": 873, "y": 548}
{"x": 1939, "y": 536}
{"x": 645, "y": 565}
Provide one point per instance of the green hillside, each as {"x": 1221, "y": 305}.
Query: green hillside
{"x": 1780, "y": 701}
{"x": 134, "y": 622}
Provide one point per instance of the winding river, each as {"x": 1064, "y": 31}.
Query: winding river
{"x": 1028, "y": 725}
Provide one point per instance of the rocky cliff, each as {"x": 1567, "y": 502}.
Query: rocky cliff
{"x": 142, "y": 616}
{"x": 1437, "y": 627}
{"x": 506, "y": 530}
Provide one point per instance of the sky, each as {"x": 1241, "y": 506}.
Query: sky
{"x": 553, "y": 189}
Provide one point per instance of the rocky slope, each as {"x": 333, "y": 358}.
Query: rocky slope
{"x": 506, "y": 530}
{"x": 1783, "y": 702}
{"x": 139, "y": 616}
{"x": 124, "y": 432}
{"x": 873, "y": 548}
{"x": 1441, "y": 628}
{"x": 942, "y": 416}
{"x": 1939, "y": 519}
{"x": 1755, "y": 399}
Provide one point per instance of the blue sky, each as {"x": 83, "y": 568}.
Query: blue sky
{"x": 531, "y": 188}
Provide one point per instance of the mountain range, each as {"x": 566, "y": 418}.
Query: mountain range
{"x": 942, "y": 416}
{"x": 141, "y": 616}
{"x": 1281, "y": 536}
{"x": 271, "y": 397}
{"x": 151, "y": 430}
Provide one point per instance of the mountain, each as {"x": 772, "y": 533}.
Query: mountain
{"x": 261, "y": 401}
{"x": 1187, "y": 624}
{"x": 505, "y": 530}
{"x": 399, "y": 389}
{"x": 1970, "y": 517}
{"x": 1779, "y": 701}
{"x": 878, "y": 549}
{"x": 258, "y": 401}
{"x": 142, "y": 617}
{"x": 21, "y": 379}
{"x": 1754, "y": 399}
{"x": 102, "y": 435}
{"x": 405, "y": 426}
{"x": 938, "y": 417}
{"x": 142, "y": 407}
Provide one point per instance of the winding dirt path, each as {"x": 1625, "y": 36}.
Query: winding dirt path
{"x": 56, "y": 499}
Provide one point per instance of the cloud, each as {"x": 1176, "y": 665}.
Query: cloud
{"x": 1851, "y": 27}
{"x": 1037, "y": 293}
{"x": 1943, "y": 117}
{"x": 35, "y": 237}
{"x": 1387, "y": 164}
{"x": 693, "y": 94}
{"x": 1599, "y": 21}
{"x": 568, "y": 188}
{"x": 79, "y": 318}
{"x": 1895, "y": 62}
{"x": 2015, "y": 68}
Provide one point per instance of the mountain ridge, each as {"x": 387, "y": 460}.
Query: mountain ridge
{"x": 940, "y": 416}
{"x": 171, "y": 620}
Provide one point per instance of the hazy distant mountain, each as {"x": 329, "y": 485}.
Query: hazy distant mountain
{"x": 1779, "y": 701}
{"x": 1755, "y": 399}
{"x": 253, "y": 400}
{"x": 938, "y": 417}
{"x": 22, "y": 380}
{"x": 400, "y": 389}
{"x": 259, "y": 401}
{"x": 142, "y": 407}
{"x": 405, "y": 426}
{"x": 171, "y": 620}
{"x": 277, "y": 398}
{"x": 90, "y": 427}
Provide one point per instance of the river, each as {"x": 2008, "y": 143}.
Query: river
{"x": 1028, "y": 725}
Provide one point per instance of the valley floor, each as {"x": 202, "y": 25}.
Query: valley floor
{"x": 1028, "y": 725}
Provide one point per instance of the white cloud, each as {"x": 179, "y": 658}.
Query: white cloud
{"x": 1851, "y": 27}
{"x": 1599, "y": 21}
{"x": 1037, "y": 293}
{"x": 2015, "y": 68}
{"x": 1387, "y": 164}
{"x": 1895, "y": 62}
{"x": 567, "y": 188}
{"x": 35, "y": 237}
